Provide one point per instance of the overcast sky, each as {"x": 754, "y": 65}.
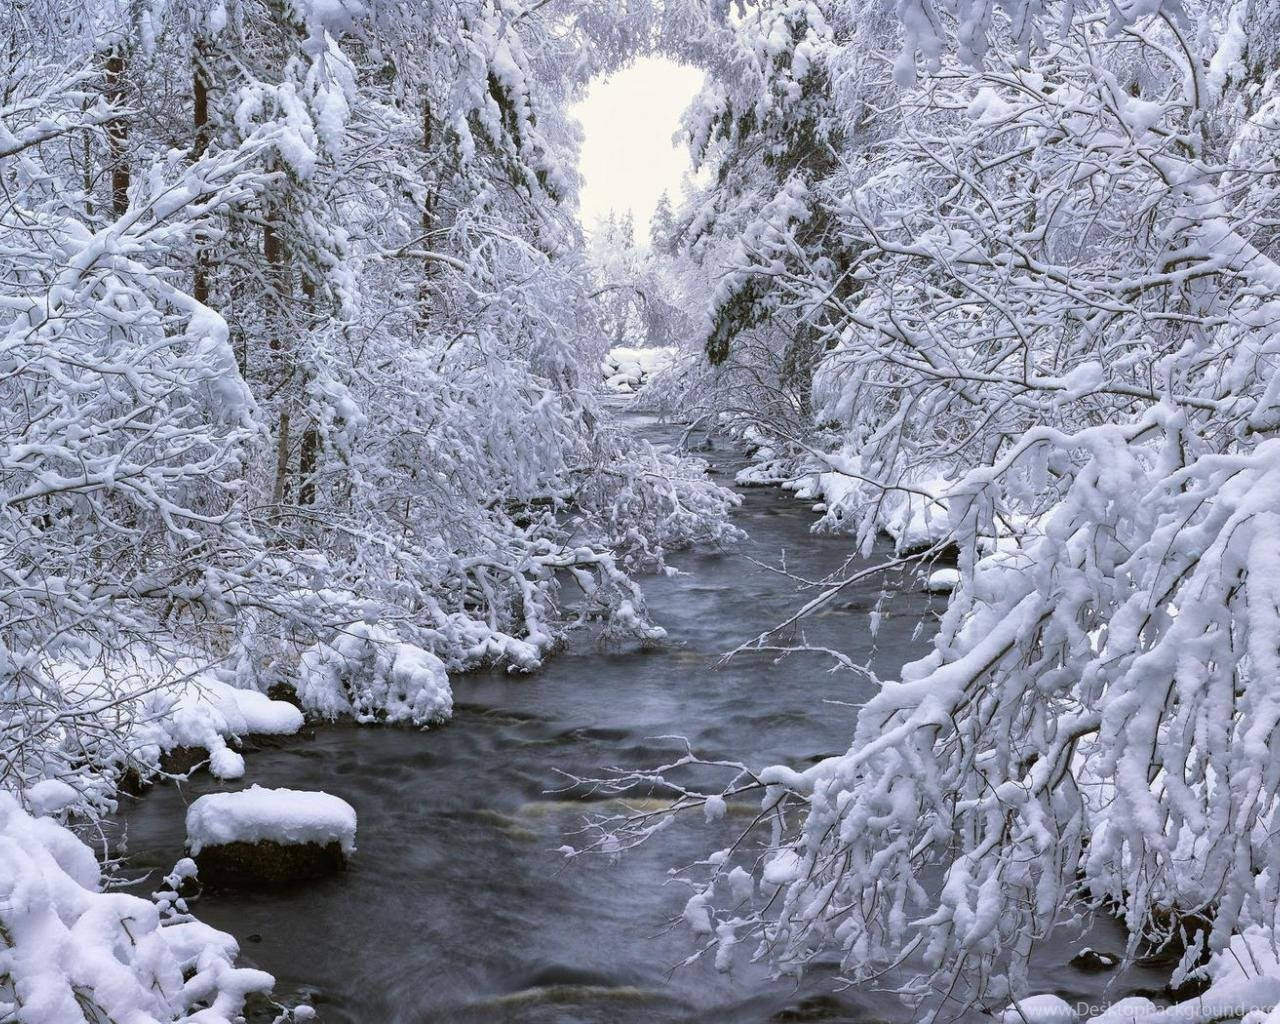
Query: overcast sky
{"x": 627, "y": 156}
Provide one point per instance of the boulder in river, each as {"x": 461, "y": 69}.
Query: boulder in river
{"x": 269, "y": 836}
{"x": 1095, "y": 961}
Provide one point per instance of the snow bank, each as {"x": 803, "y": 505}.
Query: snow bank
{"x": 285, "y": 816}
{"x": 1045, "y": 1009}
{"x": 73, "y": 953}
{"x": 1130, "y": 1010}
{"x": 1245, "y": 985}
{"x": 370, "y": 674}
{"x": 157, "y": 706}
{"x": 914, "y": 517}
{"x": 628, "y": 369}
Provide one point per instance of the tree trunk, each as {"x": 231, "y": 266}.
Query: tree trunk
{"x": 279, "y": 276}
{"x": 308, "y": 458}
{"x": 428, "y": 213}
{"x": 309, "y": 450}
{"x": 200, "y": 143}
{"x": 117, "y": 131}
{"x": 280, "y": 493}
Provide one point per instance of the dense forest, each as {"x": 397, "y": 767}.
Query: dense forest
{"x": 301, "y": 403}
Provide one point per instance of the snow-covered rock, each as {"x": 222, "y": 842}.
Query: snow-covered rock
{"x": 73, "y": 954}
{"x": 768, "y": 473}
{"x": 176, "y": 707}
{"x": 206, "y": 713}
{"x": 913, "y": 515}
{"x": 1095, "y": 960}
{"x": 1042, "y": 1009}
{"x": 283, "y": 816}
{"x": 942, "y": 581}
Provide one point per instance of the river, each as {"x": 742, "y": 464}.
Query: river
{"x": 457, "y": 907}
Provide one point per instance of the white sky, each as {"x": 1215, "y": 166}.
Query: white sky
{"x": 628, "y": 120}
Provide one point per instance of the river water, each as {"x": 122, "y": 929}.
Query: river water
{"x": 457, "y": 907}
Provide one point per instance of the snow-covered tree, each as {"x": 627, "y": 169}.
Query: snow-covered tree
{"x": 299, "y": 349}
{"x": 1043, "y": 291}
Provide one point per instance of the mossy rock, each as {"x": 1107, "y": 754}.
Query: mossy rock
{"x": 181, "y": 760}
{"x": 245, "y": 865}
{"x": 285, "y": 692}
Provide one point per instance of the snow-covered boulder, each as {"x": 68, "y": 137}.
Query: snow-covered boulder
{"x": 914, "y": 514}
{"x": 162, "y": 715}
{"x": 269, "y": 836}
{"x": 942, "y": 581}
{"x": 1095, "y": 960}
{"x": 73, "y": 954}
{"x": 205, "y": 713}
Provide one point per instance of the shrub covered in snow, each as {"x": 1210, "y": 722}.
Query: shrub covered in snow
{"x": 71, "y": 952}
{"x": 369, "y": 674}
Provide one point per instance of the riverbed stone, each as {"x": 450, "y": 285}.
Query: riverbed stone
{"x": 1095, "y": 961}
{"x": 265, "y": 862}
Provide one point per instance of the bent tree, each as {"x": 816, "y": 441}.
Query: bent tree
{"x": 1037, "y": 244}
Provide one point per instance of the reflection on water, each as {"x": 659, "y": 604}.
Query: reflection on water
{"x": 457, "y": 907}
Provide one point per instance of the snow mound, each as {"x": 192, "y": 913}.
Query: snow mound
{"x": 1130, "y": 1010}
{"x": 769, "y": 473}
{"x": 1245, "y": 984}
{"x": 284, "y": 816}
{"x": 73, "y": 953}
{"x": 162, "y": 704}
{"x": 50, "y": 796}
{"x": 370, "y": 674}
{"x": 913, "y": 512}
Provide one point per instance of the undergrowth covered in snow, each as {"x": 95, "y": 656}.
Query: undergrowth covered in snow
{"x": 73, "y": 950}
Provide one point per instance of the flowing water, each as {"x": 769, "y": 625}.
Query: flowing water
{"x": 457, "y": 907}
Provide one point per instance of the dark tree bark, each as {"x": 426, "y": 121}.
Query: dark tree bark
{"x": 309, "y": 450}
{"x": 200, "y": 143}
{"x": 280, "y": 279}
{"x": 308, "y": 460}
{"x": 428, "y": 212}
{"x": 117, "y": 131}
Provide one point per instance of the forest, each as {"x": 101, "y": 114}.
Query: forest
{"x": 321, "y": 407}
